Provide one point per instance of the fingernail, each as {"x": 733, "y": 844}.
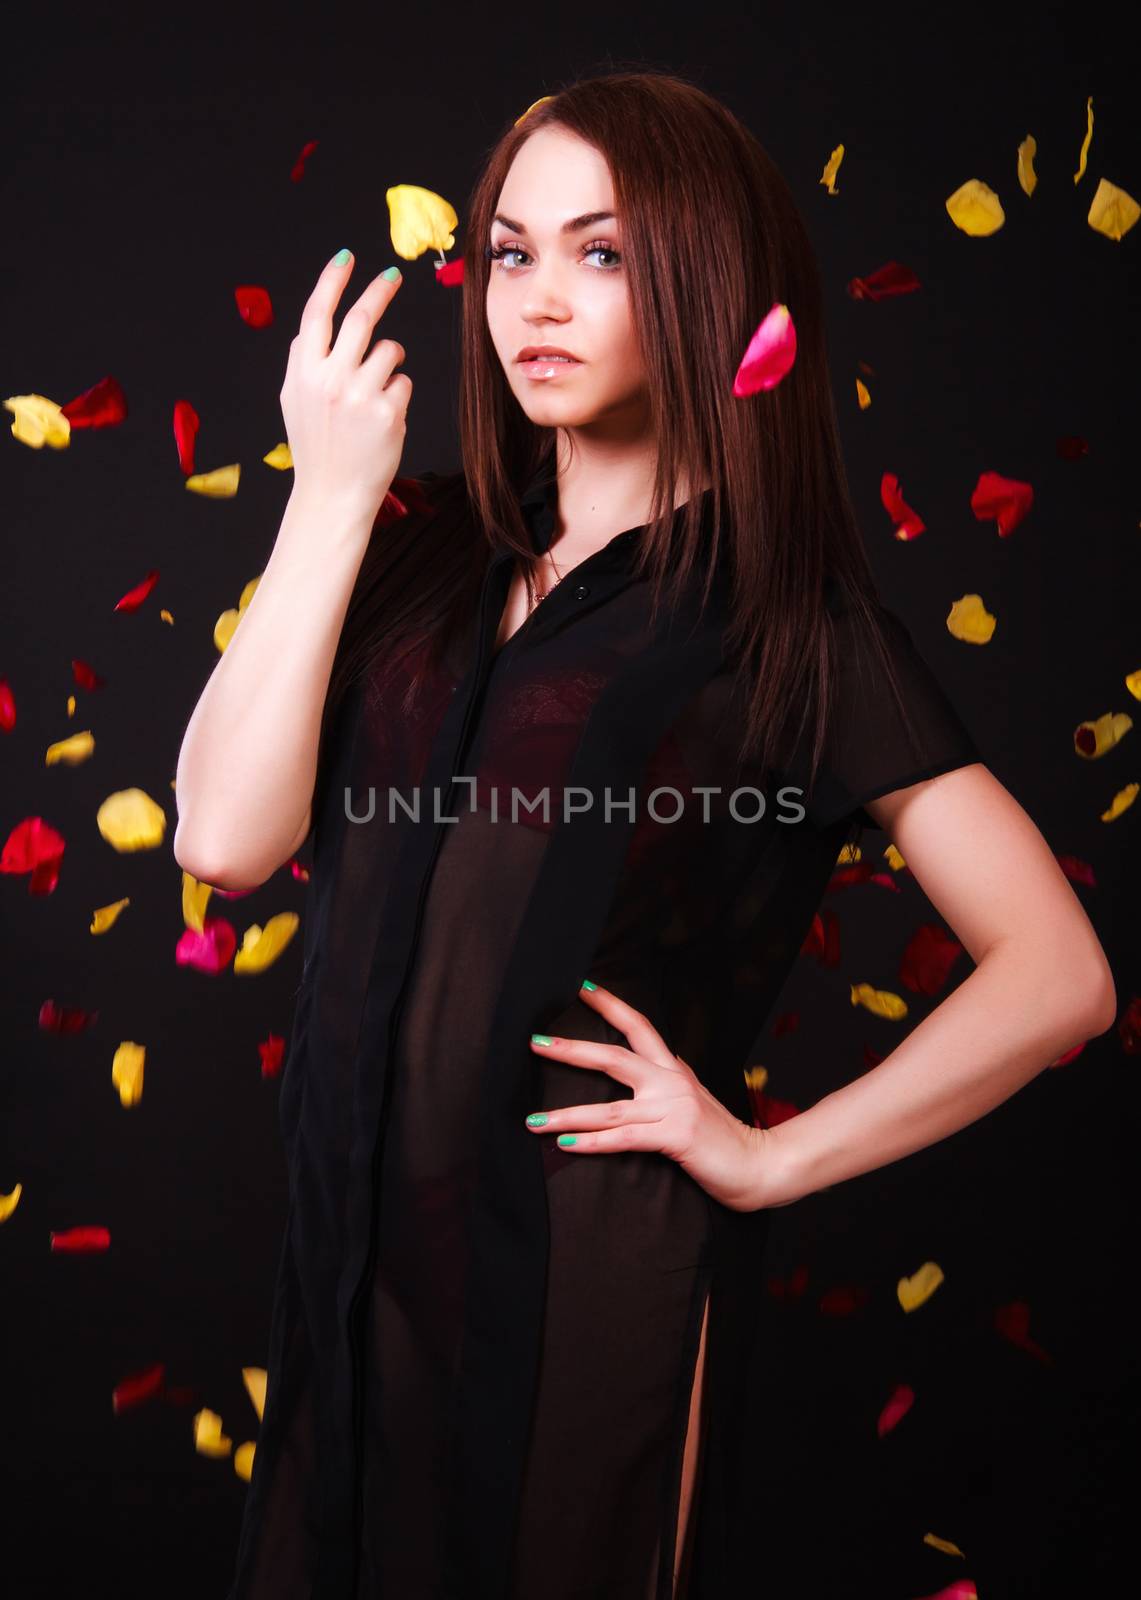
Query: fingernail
{"x": 342, "y": 257}
{"x": 586, "y": 984}
{"x": 538, "y": 1119}
{"x": 391, "y": 273}
{"x": 566, "y": 1138}
{"x": 540, "y": 1038}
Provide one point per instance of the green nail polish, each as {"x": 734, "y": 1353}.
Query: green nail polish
{"x": 538, "y": 1119}
{"x": 342, "y": 257}
{"x": 391, "y": 273}
{"x": 586, "y": 984}
{"x": 540, "y": 1038}
{"x": 566, "y": 1138}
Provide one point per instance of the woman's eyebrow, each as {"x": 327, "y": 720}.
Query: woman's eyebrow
{"x": 587, "y": 220}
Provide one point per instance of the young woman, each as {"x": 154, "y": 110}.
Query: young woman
{"x": 630, "y": 665}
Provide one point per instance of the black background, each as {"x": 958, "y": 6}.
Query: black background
{"x": 146, "y": 168}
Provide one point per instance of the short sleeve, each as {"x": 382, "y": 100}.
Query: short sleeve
{"x": 870, "y": 748}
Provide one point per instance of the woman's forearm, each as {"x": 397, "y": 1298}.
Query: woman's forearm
{"x": 1021, "y": 1008}
{"x": 247, "y": 764}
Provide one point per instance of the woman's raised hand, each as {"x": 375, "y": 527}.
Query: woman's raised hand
{"x": 345, "y": 412}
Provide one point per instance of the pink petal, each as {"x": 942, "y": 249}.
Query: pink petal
{"x": 770, "y": 354}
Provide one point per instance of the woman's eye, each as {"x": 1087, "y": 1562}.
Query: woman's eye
{"x": 499, "y": 255}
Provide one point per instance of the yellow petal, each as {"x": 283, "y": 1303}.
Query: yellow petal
{"x": 945, "y": 1545}
{"x": 862, "y": 394}
{"x": 1027, "y": 177}
{"x": 970, "y": 621}
{"x": 255, "y": 1381}
{"x": 106, "y": 916}
{"x": 244, "y": 1460}
{"x": 127, "y": 1071}
{"x": 130, "y": 820}
{"x": 894, "y": 860}
{"x": 220, "y": 484}
{"x": 1106, "y": 731}
{"x": 224, "y": 629}
{"x": 1112, "y": 211}
{"x": 262, "y": 946}
{"x": 976, "y": 209}
{"x": 1086, "y": 140}
{"x": 849, "y": 853}
{"x": 248, "y": 593}
{"x": 1133, "y": 684}
{"x": 166, "y": 616}
{"x": 281, "y": 457}
{"x": 9, "y": 1202}
{"x": 917, "y": 1289}
{"x": 880, "y": 1002}
{"x": 38, "y": 421}
{"x": 71, "y": 705}
{"x": 75, "y": 748}
{"x": 195, "y": 898}
{"x": 831, "y": 168}
{"x": 419, "y": 220}
{"x": 1121, "y": 802}
{"x": 209, "y": 1440}
{"x": 531, "y": 108}
{"x": 756, "y": 1077}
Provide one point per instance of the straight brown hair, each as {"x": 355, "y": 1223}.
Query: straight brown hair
{"x": 711, "y": 239}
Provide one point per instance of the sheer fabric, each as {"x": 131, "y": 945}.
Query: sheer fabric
{"x": 482, "y": 1347}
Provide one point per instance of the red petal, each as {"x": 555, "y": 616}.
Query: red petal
{"x": 451, "y": 273}
{"x": 1129, "y": 1028}
{"x": 185, "y": 433}
{"x": 908, "y": 523}
{"x": 901, "y": 1401}
{"x": 7, "y": 707}
{"x": 887, "y": 280}
{"x": 1007, "y": 500}
{"x": 134, "y": 1390}
{"x": 30, "y": 844}
{"x": 102, "y": 406}
{"x": 209, "y": 951}
{"x": 1013, "y": 1322}
{"x": 271, "y": 1051}
{"x": 65, "y": 1019}
{"x": 1077, "y": 871}
{"x": 842, "y": 1301}
{"x": 81, "y": 1240}
{"x": 254, "y": 305}
{"x": 85, "y": 675}
{"x": 134, "y": 598}
{"x": 297, "y": 171}
{"x": 927, "y": 959}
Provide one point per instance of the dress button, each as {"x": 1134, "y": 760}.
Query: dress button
{"x": 581, "y": 592}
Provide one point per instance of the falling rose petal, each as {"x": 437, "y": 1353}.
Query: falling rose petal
{"x": 1006, "y": 500}
{"x": 55, "y": 1018}
{"x": 9, "y": 1202}
{"x": 1027, "y": 177}
{"x": 272, "y": 1052}
{"x": 105, "y": 917}
{"x": 1069, "y": 1055}
{"x": 1013, "y": 1322}
{"x": 85, "y": 675}
{"x": 1071, "y": 447}
{"x": 1076, "y": 870}
{"x": 185, "y": 434}
{"x": 768, "y": 1112}
{"x": 104, "y": 405}
{"x": 262, "y": 946}
{"x": 405, "y": 495}
{"x": 419, "y": 220}
{"x": 786, "y": 1022}
{"x": 209, "y": 1440}
{"x": 221, "y": 484}
{"x": 255, "y": 1380}
{"x": 81, "y": 1241}
{"x": 1080, "y": 173}
{"x": 885, "y": 281}
{"x": 130, "y": 820}
{"x": 1129, "y": 1027}
{"x": 975, "y": 209}
{"x": 227, "y": 623}
{"x": 70, "y": 706}
{"x": 300, "y": 873}
{"x": 1120, "y": 803}
{"x": 254, "y": 305}
{"x": 756, "y": 1077}
{"x": 297, "y": 171}
{"x": 880, "y": 1002}
{"x": 793, "y": 1289}
{"x": 195, "y": 899}
{"x": 769, "y": 355}
{"x": 944, "y": 1545}
{"x": 961, "y": 1589}
{"x": 908, "y": 523}
{"x": 970, "y": 621}
{"x": 1093, "y": 739}
{"x": 927, "y": 959}
{"x": 280, "y": 457}
{"x": 244, "y": 1460}
{"x": 73, "y": 750}
{"x": 831, "y": 168}
{"x": 451, "y": 273}
{"x": 134, "y": 598}
{"x": 884, "y": 880}
{"x": 34, "y": 846}
{"x": 863, "y": 397}
{"x": 915, "y": 1291}
{"x": 209, "y": 951}
{"x": 139, "y": 1387}
{"x": 843, "y": 1300}
{"x": 898, "y": 1405}
{"x": 894, "y": 860}
{"x": 848, "y": 877}
{"x": 1132, "y": 683}
{"x": 7, "y": 706}
{"x": 127, "y": 1071}
{"x": 166, "y": 616}
{"x": 823, "y": 938}
{"x": 1112, "y": 212}
{"x": 38, "y": 421}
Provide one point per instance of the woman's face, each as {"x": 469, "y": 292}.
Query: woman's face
{"x": 568, "y": 290}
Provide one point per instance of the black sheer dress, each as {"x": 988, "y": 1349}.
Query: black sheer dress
{"x": 483, "y": 1348}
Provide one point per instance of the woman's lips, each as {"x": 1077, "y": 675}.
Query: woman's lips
{"x": 544, "y": 367}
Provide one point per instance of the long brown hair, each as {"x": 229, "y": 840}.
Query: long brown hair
{"x": 711, "y": 239}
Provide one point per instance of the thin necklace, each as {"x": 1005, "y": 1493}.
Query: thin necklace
{"x": 541, "y": 594}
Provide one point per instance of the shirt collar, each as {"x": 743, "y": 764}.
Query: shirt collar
{"x": 539, "y": 504}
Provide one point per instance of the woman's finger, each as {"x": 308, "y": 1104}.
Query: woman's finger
{"x": 615, "y": 1059}
{"x": 315, "y": 329}
{"x": 606, "y": 1114}
{"x": 645, "y": 1040}
{"x": 359, "y": 322}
